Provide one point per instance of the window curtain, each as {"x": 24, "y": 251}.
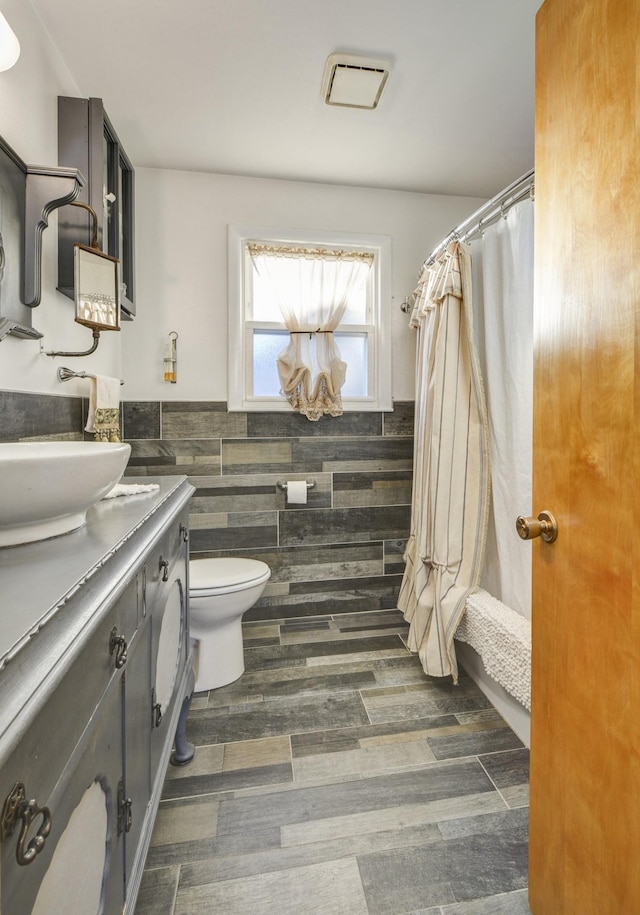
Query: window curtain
{"x": 450, "y": 498}
{"x": 310, "y": 368}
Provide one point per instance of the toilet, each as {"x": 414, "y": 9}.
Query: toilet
{"x": 220, "y": 591}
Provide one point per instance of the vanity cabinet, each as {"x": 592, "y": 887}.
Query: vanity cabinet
{"x": 92, "y": 692}
{"x": 88, "y": 141}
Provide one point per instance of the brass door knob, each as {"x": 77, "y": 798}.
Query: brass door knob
{"x": 545, "y": 526}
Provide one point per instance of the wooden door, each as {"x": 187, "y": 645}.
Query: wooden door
{"x": 585, "y": 745}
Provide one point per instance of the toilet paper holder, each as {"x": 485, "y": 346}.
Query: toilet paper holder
{"x": 282, "y": 484}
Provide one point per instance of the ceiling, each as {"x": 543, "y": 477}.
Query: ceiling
{"x": 234, "y": 87}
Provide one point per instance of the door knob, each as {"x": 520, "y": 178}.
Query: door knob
{"x": 545, "y": 526}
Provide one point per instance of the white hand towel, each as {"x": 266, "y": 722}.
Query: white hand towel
{"x": 103, "y": 418}
{"x": 130, "y": 489}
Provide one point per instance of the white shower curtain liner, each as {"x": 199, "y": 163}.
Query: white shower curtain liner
{"x": 502, "y": 267}
{"x": 450, "y": 500}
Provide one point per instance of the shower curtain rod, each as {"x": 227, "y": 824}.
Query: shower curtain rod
{"x": 486, "y": 214}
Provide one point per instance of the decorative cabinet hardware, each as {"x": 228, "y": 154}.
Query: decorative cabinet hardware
{"x": 30, "y": 193}
{"x": 17, "y": 807}
{"x": 545, "y": 526}
{"x": 185, "y": 533}
{"x": 118, "y": 643}
{"x": 125, "y": 804}
{"x": 163, "y": 566}
{"x": 156, "y": 711}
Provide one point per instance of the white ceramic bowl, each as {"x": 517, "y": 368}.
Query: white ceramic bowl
{"x": 46, "y": 488}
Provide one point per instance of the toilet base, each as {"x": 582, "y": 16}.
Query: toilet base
{"x": 219, "y": 656}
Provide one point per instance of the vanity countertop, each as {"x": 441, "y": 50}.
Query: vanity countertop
{"x": 36, "y": 579}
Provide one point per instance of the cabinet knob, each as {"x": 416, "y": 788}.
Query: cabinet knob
{"x": 17, "y": 807}
{"x": 163, "y": 566}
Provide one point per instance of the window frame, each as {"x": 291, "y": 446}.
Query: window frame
{"x": 240, "y": 363}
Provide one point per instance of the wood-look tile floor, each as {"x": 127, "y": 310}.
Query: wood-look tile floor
{"x": 336, "y": 778}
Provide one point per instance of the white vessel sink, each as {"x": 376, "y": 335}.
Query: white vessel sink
{"x": 47, "y": 487}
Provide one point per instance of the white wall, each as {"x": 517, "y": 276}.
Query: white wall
{"x": 181, "y": 258}
{"x": 181, "y": 240}
{"x": 29, "y": 114}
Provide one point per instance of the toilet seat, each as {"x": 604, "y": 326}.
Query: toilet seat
{"x": 224, "y": 575}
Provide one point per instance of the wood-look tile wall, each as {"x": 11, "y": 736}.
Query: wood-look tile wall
{"x": 340, "y": 552}
{"x": 40, "y": 416}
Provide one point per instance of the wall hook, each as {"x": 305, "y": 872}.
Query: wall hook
{"x": 92, "y": 349}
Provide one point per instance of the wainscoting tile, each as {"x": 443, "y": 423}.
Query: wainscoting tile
{"x": 141, "y": 419}
{"x": 393, "y": 553}
{"x": 387, "y": 522}
{"x": 39, "y": 417}
{"x": 354, "y": 490}
{"x": 259, "y": 455}
{"x": 233, "y": 530}
{"x": 374, "y": 454}
{"x": 370, "y": 622}
{"x": 401, "y": 420}
{"x": 341, "y": 592}
{"x": 157, "y": 458}
{"x": 201, "y": 419}
{"x": 294, "y": 425}
{"x": 336, "y": 632}
{"x": 323, "y": 564}
{"x": 254, "y": 492}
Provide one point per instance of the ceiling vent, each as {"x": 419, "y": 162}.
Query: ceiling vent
{"x": 354, "y": 82}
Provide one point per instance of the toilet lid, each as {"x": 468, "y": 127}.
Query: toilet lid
{"x": 224, "y": 572}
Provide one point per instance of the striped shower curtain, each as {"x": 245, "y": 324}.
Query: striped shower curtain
{"x": 450, "y": 498}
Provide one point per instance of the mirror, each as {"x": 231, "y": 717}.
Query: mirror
{"x": 97, "y": 288}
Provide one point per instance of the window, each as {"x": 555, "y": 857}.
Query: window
{"x": 258, "y": 335}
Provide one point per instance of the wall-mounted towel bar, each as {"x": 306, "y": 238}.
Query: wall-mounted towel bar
{"x": 65, "y": 374}
{"x": 282, "y": 484}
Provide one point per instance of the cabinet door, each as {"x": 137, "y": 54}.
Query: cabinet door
{"x": 169, "y": 652}
{"x": 137, "y": 729}
{"x": 87, "y": 141}
{"x": 80, "y": 869}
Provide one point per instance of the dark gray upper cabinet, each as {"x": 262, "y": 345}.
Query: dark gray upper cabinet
{"x": 87, "y": 141}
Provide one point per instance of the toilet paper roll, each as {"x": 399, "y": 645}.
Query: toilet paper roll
{"x": 297, "y": 492}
